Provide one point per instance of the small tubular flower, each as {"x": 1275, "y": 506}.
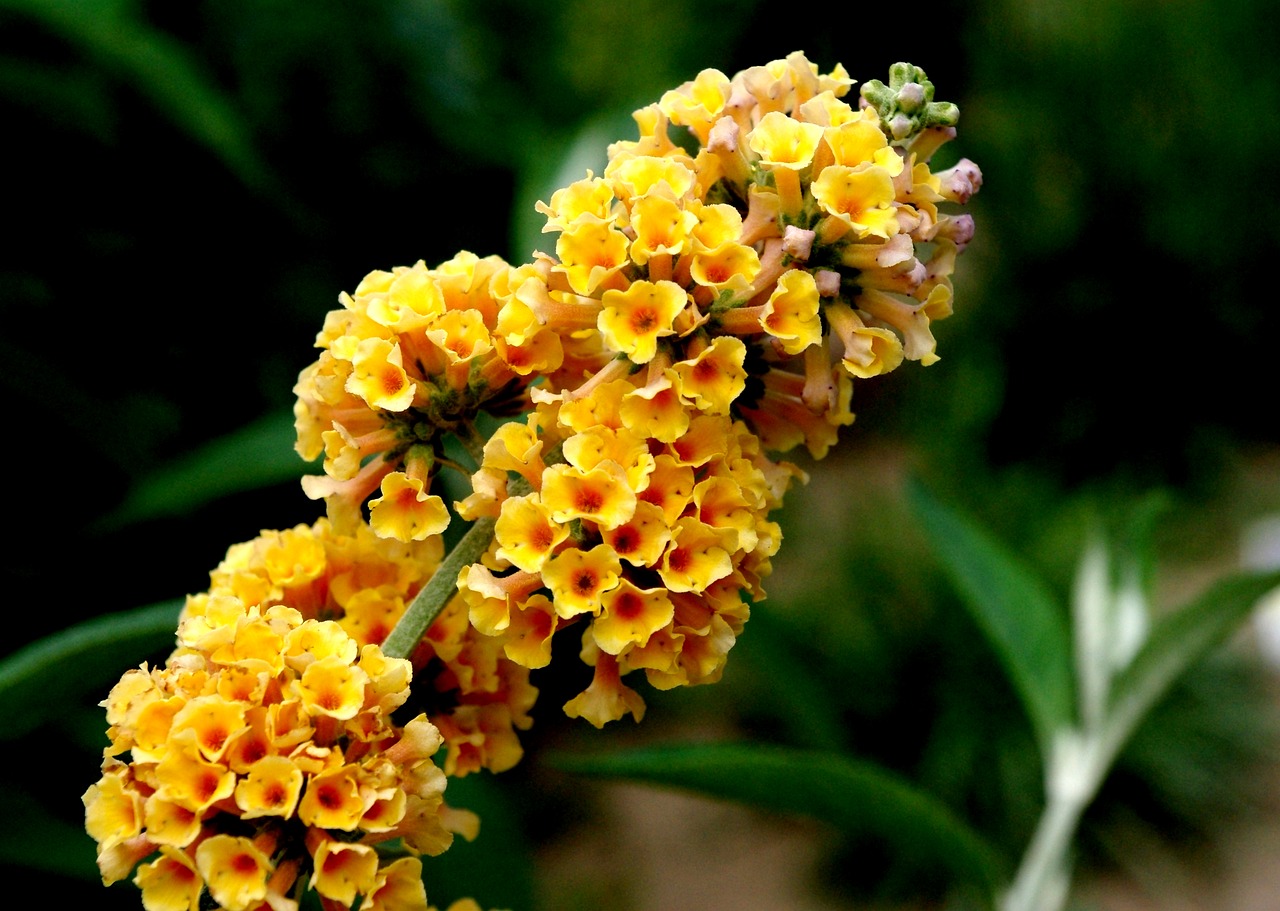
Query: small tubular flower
{"x": 632, "y": 321}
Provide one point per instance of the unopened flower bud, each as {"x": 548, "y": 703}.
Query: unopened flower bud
{"x": 910, "y": 97}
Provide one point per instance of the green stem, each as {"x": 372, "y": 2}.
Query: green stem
{"x": 1037, "y": 885}
{"x": 440, "y": 588}
{"x": 443, "y": 584}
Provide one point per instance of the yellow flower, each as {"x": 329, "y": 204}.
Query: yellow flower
{"x": 397, "y": 887}
{"x": 526, "y": 534}
{"x": 695, "y": 558}
{"x": 655, "y": 411}
{"x": 592, "y": 196}
{"x": 868, "y": 351}
{"x": 590, "y": 252}
{"x": 332, "y": 800}
{"x": 332, "y": 687}
{"x": 607, "y": 698}
{"x": 215, "y": 722}
{"x": 235, "y": 871}
{"x": 697, "y": 104}
{"x": 642, "y": 539}
{"x": 113, "y": 814}
{"x": 634, "y": 176}
{"x": 578, "y": 579}
{"x": 405, "y": 511}
{"x": 170, "y": 823}
{"x": 342, "y": 870}
{"x": 528, "y": 637}
{"x": 661, "y": 226}
{"x": 670, "y": 487}
{"x": 186, "y": 778}
{"x": 861, "y": 199}
{"x": 861, "y": 141}
{"x": 784, "y": 143}
{"x": 271, "y": 788}
{"x": 632, "y": 321}
{"x": 713, "y": 378}
{"x": 785, "y": 147}
{"x": 791, "y": 313}
{"x": 600, "y": 494}
{"x": 730, "y": 267}
{"x": 170, "y": 882}
{"x": 378, "y": 375}
{"x": 630, "y": 616}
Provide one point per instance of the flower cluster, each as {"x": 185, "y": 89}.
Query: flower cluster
{"x": 708, "y": 308}
{"x": 797, "y": 227}
{"x": 414, "y": 354}
{"x": 650, "y": 529}
{"x": 741, "y": 289}
{"x": 474, "y": 695}
{"x": 266, "y": 739}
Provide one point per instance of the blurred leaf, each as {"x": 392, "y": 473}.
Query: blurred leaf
{"x": 252, "y": 457}
{"x": 1014, "y": 609}
{"x": 113, "y": 33}
{"x": 802, "y": 709}
{"x": 38, "y": 680}
{"x": 74, "y": 96}
{"x": 466, "y": 869}
{"x": 42, "y": 841}
{"x": 1176, "y": 643}
{"x": 858, "y": 798}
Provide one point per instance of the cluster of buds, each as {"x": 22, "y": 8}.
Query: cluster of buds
{"x": 709, "y": 305}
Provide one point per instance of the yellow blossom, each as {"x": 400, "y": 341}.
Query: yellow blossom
{"x": 695, "y": 558}
{"x": 860, "y": 198}
{"x": 633, "y": 320}
{"x": 271, "y": 788}
{"x": 630, "y": 616}
{"x": 526, "y": 533}
{"x": 578, "y": 579}
{"x": 405, "y": 511}
{"x": 170, "y": 882}
{"x": 332, "y": 800}
{"x": 600, "y": 494}
{"x": 342, "y": 870}
{"x": 378, "y": 375}
{"x": 590, "y": 251}
{"x": 713, "y": 378}
{"x": 397, "y": 887}
{"x": 235, "y": 871}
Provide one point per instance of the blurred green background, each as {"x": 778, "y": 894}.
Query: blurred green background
{"x": 188, "y": 186}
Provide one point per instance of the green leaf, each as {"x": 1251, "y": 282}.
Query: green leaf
{"x": 37, "y": 681}
{"x": 1014, "y": 609}
{"x": 250, "y": 458}
{"x": 1176, "y": 643}
{"x": 114, "y": 34}
{"x": 855, "y": 797}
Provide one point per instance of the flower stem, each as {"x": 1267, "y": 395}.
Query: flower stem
{"x": 440, "y": 588}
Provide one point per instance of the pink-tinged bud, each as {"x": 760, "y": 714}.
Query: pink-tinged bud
{"x": 797, "y": 243}
{"x": 956, "y": 228}
{"x": 828, "y": 282}
{"x": 723, "y": 136}
{"x": 961, "y": 181}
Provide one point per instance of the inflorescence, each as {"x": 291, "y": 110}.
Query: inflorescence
{"x": 708, "y": 307}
